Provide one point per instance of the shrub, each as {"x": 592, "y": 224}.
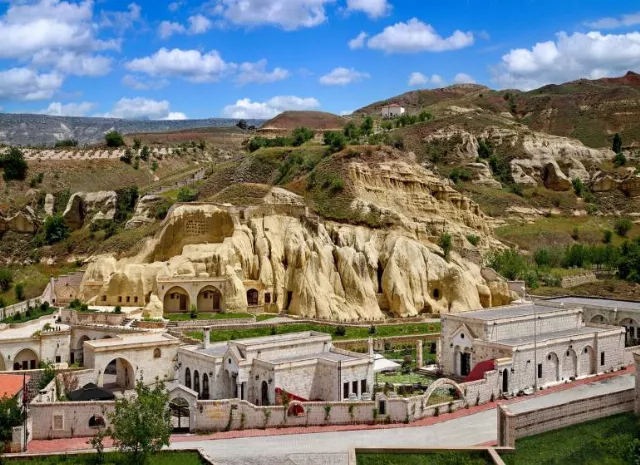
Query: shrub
{"x": 616, "y": 146}
{"x": 194, "y": 312}
{"x": 185, "y": 194}
{"x": 14, "y": 165}
{"x": 137, "y": 143}
{"x": 335, "y": 140}
{"x": 509, "y": 263}
{"x": 623, "y": 226}
{"x": 67, "y": 143}
{"x": 55, "y": 229}
{"x": 473, "y": 239}
{"x": 114, "y": 139}
{"x": 575, "y": 235}
{"x": 301, "y": 135}
{"x": 366, "y": 127}
{"x": 485, "y": 150}
{"x": 117, "y": 309}
{"x": 19, "y": 291}
{"x": 145, "y": 153}
{"x": 446, "y": 243}
{"x": 619, "y": 160}
{"x": 340, "y": 331}
{"x": 578, "y": 186}
{"x": 154, "y": 166}
{"x": 127, "y": 156}
{"x": 6, "y": 278}
{"x": 591, "y": 208}
{"x": 607, "y": 236}
{"x": 460, "y": 174}
{"x": 162, "y": 209}
{"x": 372, "y": 330}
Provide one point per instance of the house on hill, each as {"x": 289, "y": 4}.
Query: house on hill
{"x": 392, "y": 110}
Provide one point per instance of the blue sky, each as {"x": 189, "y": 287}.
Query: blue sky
{"x": 255, "y": 58}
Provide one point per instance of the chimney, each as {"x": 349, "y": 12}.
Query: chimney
{"x": 370, "y": 347}
{"x": 207, "y": 338}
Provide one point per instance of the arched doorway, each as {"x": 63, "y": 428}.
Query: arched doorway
{"x": 196, "y": 382}
{"x": 554, "y": 367}
{"x": 587, "y": 362}
{"x": 264, "y": 393}
{"x": 632, "y": 329}
{"x": 26, "y": 359}
{"x": 187, "y": 378}
{"x": 2, "y": 365}
{"x": 119, "y": 373}
{"x": 569, "y": 364}
{"x": 598, "y": 319}
{"x": 180, "y": 414}
{"x": 209, "y": 300}
{"x": 205, "y": 386}
{"x": 252, "y": 297}
{"x": 176, "y": 300}
{"x": 77, "y": 356}
{"x": 505, "y": 380}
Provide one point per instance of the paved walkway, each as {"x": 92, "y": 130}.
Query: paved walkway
{"x": 310, "y": 446}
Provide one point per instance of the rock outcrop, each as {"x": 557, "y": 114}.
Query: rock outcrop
{"x": 145, "y": 211}
{"x": 520, "y": 177}
{"x": 90, "y": 207}
{"x": 554, "y": 178}
{"x": 603, "y": 182}
{"x": 24, "y": 222}
{"x": 49, "y": 204}
{"x": 482, "y": 175}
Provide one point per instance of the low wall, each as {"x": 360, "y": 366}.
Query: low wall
{"x": 75, "y": 317}
{"x": 512, "y": 426}
{"x": 628, "y": 354}
{"x": 21, "y": 307}
{"x": 233, "y": 323}
{"x": 379, "y": 343}
{"x": 66, "y": 419}
{"x": 578, "y": 280}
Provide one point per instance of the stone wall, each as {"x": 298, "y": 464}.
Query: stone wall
{"x": 512, "y": 426}
{"x": 578, "y": 279}
{"x": 75, "y": 317}
{"x": 66, "y": 419}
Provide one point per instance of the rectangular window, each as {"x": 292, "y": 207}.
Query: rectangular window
{"x": 135, "y": 299}
{"x": 345, "y": 391}
{"x": 354, "y": 387}
{"x": 58, "y": 422}
{"x": 119, "y": 298}
{"x": 267, "y": 298}
{"x": 58, "y": 359}
{"x": 601, "y": 358}
{"x": 383, "y": 407}
{"x": 104, "y": 298}
{"x": 539, "y": 370}
{"x": 363, "y": 386}
{"x": 32, "y": 364}
{"x": 128, "y": 299}
{"x": 25, "y": 365}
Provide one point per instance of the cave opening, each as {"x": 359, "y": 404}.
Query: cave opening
{"x": 380, "y": 272}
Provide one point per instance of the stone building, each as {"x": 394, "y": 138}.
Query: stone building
{"x": 304, "y": 364}
{"x": 531, "y": 345}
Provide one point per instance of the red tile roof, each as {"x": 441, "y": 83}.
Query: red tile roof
{"x": 10, "y": 385}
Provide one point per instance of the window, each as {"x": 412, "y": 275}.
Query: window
{"x": 363, "y": 386}
{"x": 32, "y": 364}
{"x": 104, "y": 298}
{"x": 135, "y": 299}
{"x": 58, "y": 421}
{"x": 96, "y": 421}
{"x": 119, "y": 298}
{"x": 128, "y": 299}
{"x": 345, "y": 391}
{"x": 383, "y": 407}
{"x": 157, "y": 353}
{"x": 354, "y": 387}
{"x": 58, "y": 359}
{"x": 187, "y": 378}
{"x": 461, "y": 335}
{"x": 267, "y": 298}
{"x": 539, "y": 370}
{"x": 601, "y": 358}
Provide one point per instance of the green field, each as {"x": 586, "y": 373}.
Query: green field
{"x": 436, "y": 458}
{"x": 164, "y": 458}
{"x": 351, "y": 332}
{"x": 206, "y": 316}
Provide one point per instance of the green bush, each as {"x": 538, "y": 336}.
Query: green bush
{"x": 446, "y": 243}
{"x": 351, "y": 131}
{"x": 616, "y": 146}
{"x": 67, "y": 143}
{"x": 6, "y": 278}
{"x": 161, "y": 209}
{"x": 194, "y": 312}
{"x": 485, "y": 149}
{"x": 460, "y": 174}
{"x": 19, "y": 291}
{"x": 473, "y": 239}
{"x": 340, "y": 331}
{"x": 623, "y": 226}
{"x": 145, "y": 153}
{"x": 14, "y": 165}
{"x": 607, "y": 236}
{"x": 136, "y": 144}
{"x": 127, "y": 156}
{"x": 509, "y": 263}
{"x": 126, "y": 199}
{"x": 117, "y": 309}
{"x": 578, "y": 186}
{"x": 185, "y": 194}
{"x": 114, "y": 139}
{"x": 619, "y": 160}
{"x": 301, "y": 135}
{"x": 55, "y": 229}
{"x": 335, "y": 140}
{"x": 366, "y": 127}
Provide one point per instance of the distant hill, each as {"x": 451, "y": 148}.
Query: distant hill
{"x": 316, "y": 120}
{"x": 43, "y": 130}
{"x": 588, "y": 110}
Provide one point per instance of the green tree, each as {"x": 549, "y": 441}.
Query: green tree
{"x": 607, "y": 236}
{"x": 366, "y": 127}
{"x": 145, "y": 153}
{"x": 10, "y": 416}
{"x": 425, "y": 116}
{"x": 578, "y": 186}
{"x": 335, "y": 140}
{"x": 185, "y": 194}
{"x": 617, "y": 143}
{"x": 301, "y": 135}
{"x": 114, "y": 139}
{"x": 137, "y": 143}
{"x": 14, "y": 165}
{"x": 509, "y": 263}
{"x": 19, "y": 291}
{"x": 141, "y": 426}
{"x": 619, "y": 160}
{"x": 460, "y": 174}
{"x": 623, "y": 226}
{"x": 446, "y": 244}
{"x": 55, "y": 229}
{"x": 67, "y": 143}
{"x": 387, "y": 125}
{"x": 154, "y": 166}
{"x": 127, "y": 156}
{"x": 351, "y": 131}
{"x": 6, "y": 278}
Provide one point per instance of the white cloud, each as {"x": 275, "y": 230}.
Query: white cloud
{"x": 175, "y": 116}
{"x": 373, "y": 8}
{"x": 198, "y": 24}
{"x": 416, "y": 36}
{"x": 342, "y": 77}
{"x": 174, "y": 6}
{"x": 286, "y": 14}
{"x": 143, "y": 84}
{"x": 463, "y": 78}
{"x": 188, "y": 64}
{"x": 257, "y": 72}
{"x": 358, "y": 42}
{"x": 122, "y": 20}
{"x": 628, "y": 20}
{"x": 591, "y": 55}
{"x": 419, "y": 79}
{"x": 69, "y": 109}
{"x": 74, "y": 64}
{"x": 142, "y": 108}
{"x": 247, "y": 109}
{"x": 26, "y": 84}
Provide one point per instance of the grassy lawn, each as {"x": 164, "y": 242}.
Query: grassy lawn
{"x": 164, "y": 458}
{"x": 351, "y": 333}
{"x": 607, "y": 441}
{"x": 33, "y": 315}
{"x": 399, "y": 378}
{"x": 266, "y": 316}
{"x": 436, "y": 458}
{"x": 206, "y": 316}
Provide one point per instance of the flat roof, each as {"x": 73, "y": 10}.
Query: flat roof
{"x": 333, "y": 356}
{"x": 123, "y": 339}
{"x": 520, "y": 341}
{"x": 217, "y": 350}
{"x": 254, "y": 341}
{"x": 510, "y": 311}
{"x": 597, "y": 302}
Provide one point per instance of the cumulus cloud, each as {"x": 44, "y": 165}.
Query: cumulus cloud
{"x": 628, "y": 20}
{"x": 463, "y": 78}
{"x": 415, "y": 36}
{"x": 373, "y": 8}
{"x": 286, "y": 14}
{"x": 74, "y": 64}
{"x": 143, "y": 84}
{"x": 68, "y": 109}
{"x": 122, "y": 20}
{"x": 358, "y": 42}
{"x": 570, "y": 56}
{"x": 248, "y": 109}
{"x": 188, "y": 64}
{"x": 198, "y": 24}
{"x": 174, "y": 6}
{"x": 257, "y": 72}
{"x": 142, "y": 108}
{"x": 26, "y": 84}
{"x": 419, "y": 79}
{"x": 342, "y": 77}
{"x": 175, "y": 116}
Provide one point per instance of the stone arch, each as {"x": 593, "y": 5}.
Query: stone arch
{"x": 253, "y": 297}
{"x": 77, "y": 355}
{"x": 97, "y": 421}
{"x": 3, "y": 367}
{"x": 598, "y": 318}
{"x": 187, "y": 377}
{"x": 554, "y": 365}
{"x": 180, "y": 414}
{"x": 264, "y": 393}
{"x": 205, "y": 386}
{"x": 569, "y": 364}
{"x": 176, "y": 300}
{"x": 296, "y": 409}
{"x": 441, "y": 383}
{"x": 209, "y": 299}
{"x": 587, "y": 362}
{"x": 632, "y": 329}
{"x": 196, "y": 382}
{"x": 124, "y": 376}
{"x": 26, "y": 359}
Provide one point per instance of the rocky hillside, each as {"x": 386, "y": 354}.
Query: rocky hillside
{"x": 42, "y": 130}
{"x": 316, "y": 120}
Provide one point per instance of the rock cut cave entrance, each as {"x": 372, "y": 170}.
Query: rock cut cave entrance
{"x": 209, "y": 300}
{"x": 176, "y": 300}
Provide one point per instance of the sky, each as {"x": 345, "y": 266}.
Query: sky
{"x": 153, "y": 59}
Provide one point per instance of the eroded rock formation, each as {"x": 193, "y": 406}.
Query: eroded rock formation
{"x": 90, "y": 207}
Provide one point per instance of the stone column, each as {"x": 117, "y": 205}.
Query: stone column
{"x": 239, "y": 390}
{"x": 438, "y": 351}
{"x": 419, "y": 360}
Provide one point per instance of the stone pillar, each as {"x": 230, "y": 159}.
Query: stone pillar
{"x": 206, "y": 341}
{"x": 438, "y": 351}
{"x": 419, "y": 360}
{"x": 636, "y": 360}
{"x": 370, "y": 346}
{"x": 238, "y": 390}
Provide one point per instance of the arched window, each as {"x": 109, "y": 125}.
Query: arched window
{"x": 96, "y": 421}
{"x": 205, "y": 386}
{"x": 157, "y": 353}
{"x": 196, "y": 381}
{"x": 187, "y": 378}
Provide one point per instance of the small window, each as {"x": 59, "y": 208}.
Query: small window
{"x": 135, "y": 299}
{"x": 436, "y": 293}
{"x": 539, "y": 370}
{"x": 354, "y": 387}
{"x": 549, "y": 357}
{"x": 96, "y": 421}
{"x": 119, "y": 298}
{"x": 104, "y": 298}
{"x": 157, "y": 353}
{"x": 345, "y": 391}
{"x": 128, "y": 299}
{"x": 567, "y": 353}
{"x": 363, "y": 386}
{"x": 32, "y": 364}
{"x": 383, "y": 407}
{"x": 229, "y": 361}
{"x": 267, "y": 298}
{"x": 586, "y": 350}
{"x": 58, "y": 359}
{"x": 461, "y": 335}
{"x": 601, "y": 358}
